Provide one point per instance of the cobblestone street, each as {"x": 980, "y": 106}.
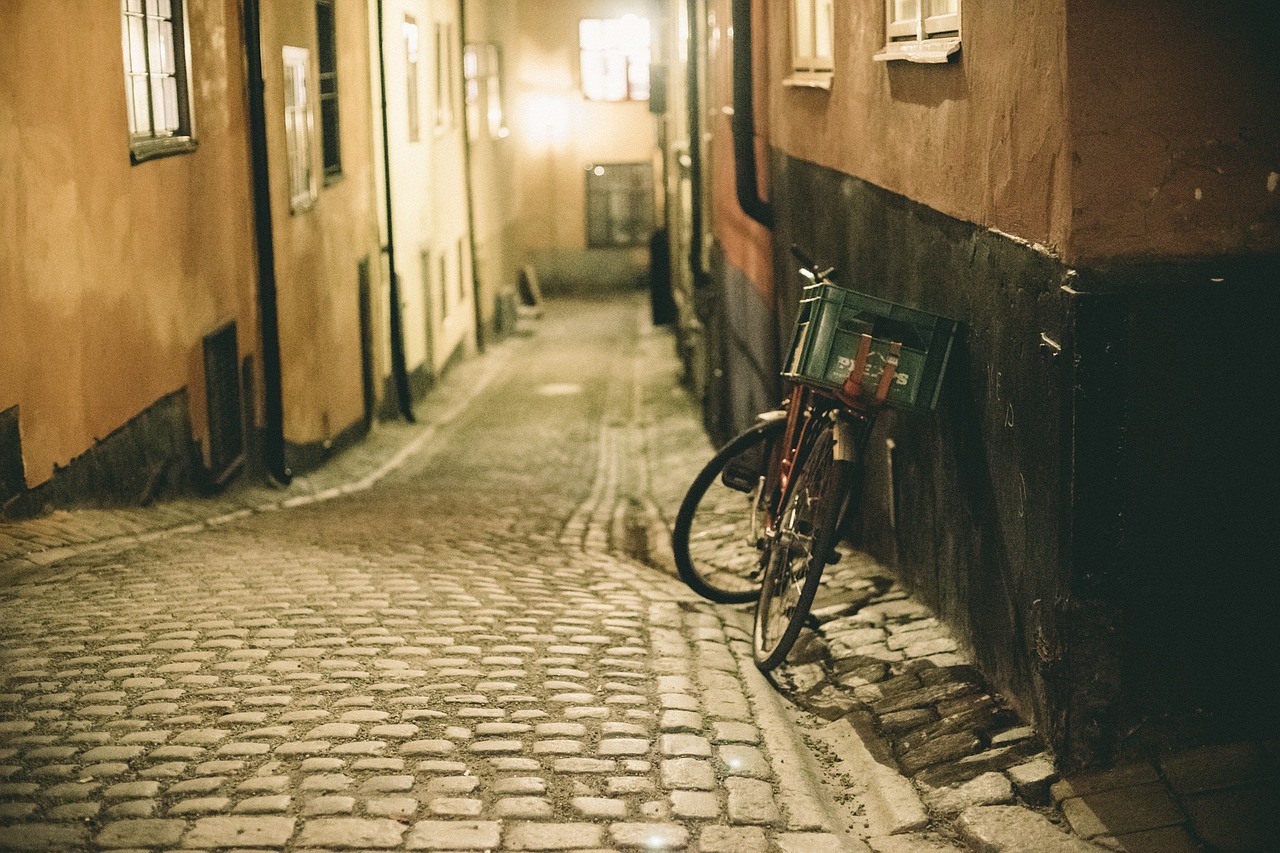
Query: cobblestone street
{"x": 459, "y": 656}
{"x": 459, "y": 635}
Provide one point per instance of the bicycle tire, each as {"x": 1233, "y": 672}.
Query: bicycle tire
{"x": 798, "y": 552}
{"x": 712, "y": 541}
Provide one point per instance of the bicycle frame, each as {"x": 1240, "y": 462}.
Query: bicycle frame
{"x": 806, "y": 406}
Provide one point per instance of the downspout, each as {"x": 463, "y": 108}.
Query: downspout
{"x": 701, "y": 277}
{"x": 269, "y": 319}
{"x": 744, "y": 119}
{"x": 399, "y": 371}
{"x": 470, "y": 189}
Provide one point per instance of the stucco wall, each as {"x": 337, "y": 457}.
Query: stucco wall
{"x": 981, "y": 138}
{"x": 1175, "y": 115}
{"x": 111, "y": 272}
{"x": 318, "y": 250}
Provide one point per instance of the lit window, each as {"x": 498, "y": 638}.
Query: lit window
{"x": 921, "y": 30}
{"x": 298, "y": 127}
{"x": 444, "y": 75}
{"x": 813, "y": 36}
{"x": 411, "y": 51}
{"x": 153, "y": 36}
{"x": 482, "y": 70}
{"x": 615, "y": 58}
{"x": 327, "y": 54}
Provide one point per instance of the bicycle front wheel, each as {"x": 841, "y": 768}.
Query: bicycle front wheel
{"x": 717, "y": 535}
{"x": 806, "y": 534}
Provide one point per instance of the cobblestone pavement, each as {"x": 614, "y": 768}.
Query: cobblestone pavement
{"x": 447, "y": 639}
{"x": 458, "y": 657}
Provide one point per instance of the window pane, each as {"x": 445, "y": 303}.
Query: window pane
{"x": 158, "y": 104}
{"x": 906, "y": 10}
{"x": 804, "y": 28}
{"x": 943, "y": 7}
{"x": 170, "y": 104}
{"x": 137, "y": 47}
{"x": 166, "y": 64}
{"x": 823, "y": 24}
{"x": 326, "y": 39}
{"x": 638, "y": 78}
{"x": 153, "y": 7}
{"x": 141, "y": 111}
{"x": 134, "y": 6}
{"x": 591, "y": 34}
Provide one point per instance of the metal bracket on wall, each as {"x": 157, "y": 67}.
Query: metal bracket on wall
{"x": 1050, "y": 350}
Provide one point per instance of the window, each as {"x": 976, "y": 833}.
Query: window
{"x": 153, "y": 35}
{"x": 482, "y": 70}
{"x": 444, "y": 75}
{"x": 921, "y": 30}
{"x": 327, "y": 55}
{"x": 615, "y": 58}
{"x": 298, "y": 128}
{"x": 411, "y": 51}
{"x": 812, "y": 40}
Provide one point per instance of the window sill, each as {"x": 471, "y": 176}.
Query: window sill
{"x": 930, "y": 51}
{"x": 809, "y": 80}
{"x": 153, "y": 149}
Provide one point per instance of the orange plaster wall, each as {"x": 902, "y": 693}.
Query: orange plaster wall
{"x": 981, "y": 138}
{"x": 746, "y": 243}
{"x": 112, "y": 273}
{"x": 1175, "y": 110}
{"x": 317, "y": 250}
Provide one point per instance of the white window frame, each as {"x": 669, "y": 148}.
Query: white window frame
{"x": 299, "y": 128}
{"x": 813, "y": 36}
{"x": 153, "y": 35}
{"x": 926, "y": 34}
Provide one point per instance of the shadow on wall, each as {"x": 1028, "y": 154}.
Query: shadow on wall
{"x": 591, "y": 272}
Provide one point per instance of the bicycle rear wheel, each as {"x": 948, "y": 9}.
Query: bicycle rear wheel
{"x": 717, "y": 532}
{"x": 806, "y": 535}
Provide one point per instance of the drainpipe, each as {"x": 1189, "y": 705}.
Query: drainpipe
{"x": 399, "y": 371}
{"x": 701, "y": 277}
{"x": 272, "y": 390}
{"x": 468, "y": 179}
{"x": 743, "y": 124}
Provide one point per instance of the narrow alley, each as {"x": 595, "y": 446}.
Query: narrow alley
{"x": 458, "y": 636}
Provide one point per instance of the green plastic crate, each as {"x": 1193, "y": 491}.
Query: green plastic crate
{"x": 829, "y": 330}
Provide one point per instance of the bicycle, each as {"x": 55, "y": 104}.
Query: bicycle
{"x": 762, "y": 519}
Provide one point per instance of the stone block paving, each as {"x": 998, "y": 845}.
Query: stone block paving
{"x": 438, "y": 642}
{"x": 883, "y": 661}
{"x": 457, "y": 658}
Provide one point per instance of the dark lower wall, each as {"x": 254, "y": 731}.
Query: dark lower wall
{"x": 151, "y": 456}
{"x": 968, "y": 501}
{"x": 742, "y": 350}
{"x": 1093, "y": 506}
{"x": 1201, "y": 492}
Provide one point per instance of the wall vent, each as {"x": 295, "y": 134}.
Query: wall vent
{"x": 222, "y": 389}
{"x": 13, "y": 479}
